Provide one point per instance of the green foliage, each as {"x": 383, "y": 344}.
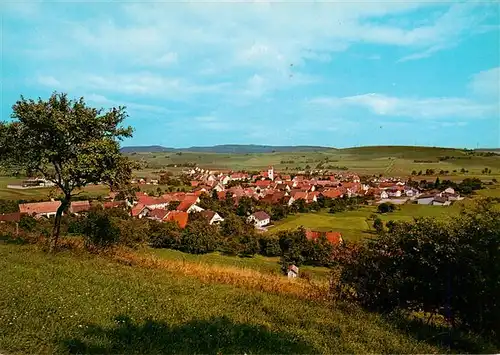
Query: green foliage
{"x": 378, "y": 225}
{"x": 133, "y": 232}
{"x": 68, "y": 143}
{"x": 320, "y": 252}
{"x": 294, "y": 248}
{"x": 27, "y": 223}
{"x": 8, "y": 206}
{"x": 450, "y": 268}
{"x": 99, "y": 230}
{"x": 386, "y": 207}
{"x": 199, "y": 238}
{"x": 269, "y": 246}
{"x": 165, "y": 234}
{"x": 249, "y": 245}
{"x": 172, "y": 205}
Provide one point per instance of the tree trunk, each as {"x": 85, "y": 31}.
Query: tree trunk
{"x": 57, "y": 224}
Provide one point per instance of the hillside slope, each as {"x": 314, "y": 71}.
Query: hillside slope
{"x": 225, "y": 149}
{"x": 88, "y": 304}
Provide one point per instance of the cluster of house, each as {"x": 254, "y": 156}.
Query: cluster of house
{"x": 268, "y": 186}
{"x": 274, "y": 188}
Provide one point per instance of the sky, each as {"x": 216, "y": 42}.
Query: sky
{"x": 331, "y": 73}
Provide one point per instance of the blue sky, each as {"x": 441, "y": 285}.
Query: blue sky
{"x": 332, "y": 73}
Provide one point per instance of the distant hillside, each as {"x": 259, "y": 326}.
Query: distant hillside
{"x": 225, "y": 148}
{"x": 146, "y": 149}
{"x": 407, "y": 151}
{"x": 488, "y": 150}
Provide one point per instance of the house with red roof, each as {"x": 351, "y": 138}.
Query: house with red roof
{"x": 259, "y": 219}
{"x": 335, "y": 238}
{"x": 158, "y": 214}
{"x": 10, "y": 217}
{"x": 140, "y": 210}
{"x": 152, "y": 202}
{"x": 212, "y": 217}
{"x": 263, "y": 184}
{"x": 78, "y": 207}
{"x": 332, "y": 193}
{"x": 189, "y": 206}
{"x": 180, "y": 217}
{"x": 40, "y": 209}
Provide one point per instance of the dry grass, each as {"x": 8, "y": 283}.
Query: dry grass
{"x": 239, "y": 277}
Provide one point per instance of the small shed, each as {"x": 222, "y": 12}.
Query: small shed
{"x": 293, "y": 271}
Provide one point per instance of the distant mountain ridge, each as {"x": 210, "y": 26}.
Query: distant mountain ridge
{"x": 255, "y": 148}
{"x": 225, "y": 148}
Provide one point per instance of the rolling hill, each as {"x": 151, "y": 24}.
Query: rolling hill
{"x": 225, "y": 149}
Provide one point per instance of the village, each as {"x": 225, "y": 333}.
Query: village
{"x": 268, "y": 187}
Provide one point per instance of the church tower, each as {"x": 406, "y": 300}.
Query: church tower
{"x": 270, "y": 173}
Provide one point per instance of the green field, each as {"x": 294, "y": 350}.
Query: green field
{"x": 78, "y": 303}
{"x": 42, "y": 193}
{"x": 390, "y": 161}
{"x": 258, "y": 262}
{"x": 354, "y": 225}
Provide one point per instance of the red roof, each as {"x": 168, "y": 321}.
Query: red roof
{"x": 261, "y": 215}
{"x": 178, "y": 216}
{"x": 137, "y": 209}
{"x": 334, "y": 237}
{"x": 150, "y": 200}
{"x": 263, "y": 183}
{"x": 39, "y": 207}
{"x": 208, "y": 214}
{"x": 332, "y": 193}
{"x": 158, "y": 213}
{"x": 184, "y": 205}
{"x": 299, "y": 195}
{"x": 79, "y": 206}
{"x": 10, "y": 217}
{"x": 312, "y": 235}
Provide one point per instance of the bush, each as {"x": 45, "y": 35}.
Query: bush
{"x": 27, "y": 223}
{"x": 199, "y": 238}
{"x": 386, "y": 207}
{"x": 165, "y": 235}
{"x": 320, "y": 252}
{"x": 99, "y": 229}
{"x": 449, "y": 268}
{"x": 133, "y": 232}
{"x": 249, "y": 245}
{"x": 294, "y": 248}
{"x": 378, "y": 225}
{"x": 269, "y": 246}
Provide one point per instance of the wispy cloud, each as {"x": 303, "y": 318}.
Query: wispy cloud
{"x": 425, "y": 108}
{"x": 487, "y": 83}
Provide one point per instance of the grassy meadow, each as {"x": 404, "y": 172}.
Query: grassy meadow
{"x": 262, "y": 264}
{"x": 42, "y": 193}
{"x": 389, "y": 161}
{"x": 354, "y": 225}
{"x": 75, "y": 302}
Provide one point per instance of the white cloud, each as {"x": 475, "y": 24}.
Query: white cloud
{"x": 425, "y": 108}
{"x": 48, "y": 81}
{"x": 487, "y": 83}
{"x": 265, "y": 36}
{"x": 101, "y": 100}
{"x": 142, "y": 83}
